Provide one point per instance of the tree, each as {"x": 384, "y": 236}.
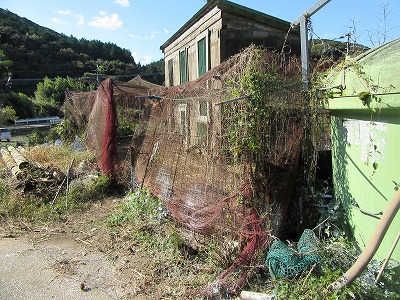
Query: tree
{"x": 22, "y": 106}
{"x": 7, "y": 114}
{"x": 39, "y": 52}
{"x": 4, "y": 65}
{"x": 154, "y": 72}
{"x": 52, "y": 92}
{"x": 381, "y": 35}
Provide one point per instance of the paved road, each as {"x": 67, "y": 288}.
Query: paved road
{"x": 58, "y": 268}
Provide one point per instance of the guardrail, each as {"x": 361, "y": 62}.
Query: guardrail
{"x": 51, "y": 120}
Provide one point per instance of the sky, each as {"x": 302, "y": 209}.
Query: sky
{"x": 143, "y": 26}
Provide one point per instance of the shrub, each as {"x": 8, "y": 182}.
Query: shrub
{"x": 140, "y": 207}
{"x": 82, "y": 191}
{"x": 338, "y": 254}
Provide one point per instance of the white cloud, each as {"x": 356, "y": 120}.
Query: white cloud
{"x": 64, "y": 12}
{"x": 166, "y": 31}
{"x": 135, "y": 56}
{"x": 151, "y": 36}
{"x": 105, "y": 21}
{"x": 59, "y": 22}
{"x": 81, "y": 19}
{"x": 122, "y": 2}
{"x": 143, "y": 60}
{"x": 146, "y": 60}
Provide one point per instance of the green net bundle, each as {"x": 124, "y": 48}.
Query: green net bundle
{"x": 284, "y": 261}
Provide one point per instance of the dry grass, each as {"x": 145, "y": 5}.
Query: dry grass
{"x": 44, "y": 192}
{"x": 57, "y": 157}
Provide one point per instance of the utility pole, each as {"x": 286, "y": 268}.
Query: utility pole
{"x": 303, "y": 22}
{"x": 97, "y": 73}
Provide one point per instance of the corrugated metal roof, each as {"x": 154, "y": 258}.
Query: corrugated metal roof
{"x": 369, "y": 82}
{"x": 376, "y": 71}
{"x": 382, "y": 64}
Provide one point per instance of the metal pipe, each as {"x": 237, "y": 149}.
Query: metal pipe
{"x": 371, "y": 247}
{"x": 316, "y": 7}
{"x": 387, "y": 258}
{"x": 303, "y": 22}
{"x": 232, "y": 100}
{"x": 305, "y": 68}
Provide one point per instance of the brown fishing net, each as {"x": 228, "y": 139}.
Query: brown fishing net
{"x": 101, "y": 112}
{"x": 222, "y": 151}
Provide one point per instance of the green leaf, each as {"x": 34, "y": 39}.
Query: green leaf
{"x": 6, "y": 63}
{"x": 364, "y": 97}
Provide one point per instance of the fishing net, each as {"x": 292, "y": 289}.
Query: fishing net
{"x": 101, "y": 113}
{"x": 77, "y": 107}
{"x": 284, "y": 261}
{"x": 222, "y": 152}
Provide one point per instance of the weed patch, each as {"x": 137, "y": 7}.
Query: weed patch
{"x": 55, "y": 183}
{"x": 338, "y": 254}
{"x": 170, "y": 261}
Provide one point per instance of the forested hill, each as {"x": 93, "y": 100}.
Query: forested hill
{"x": 37, "y": 52}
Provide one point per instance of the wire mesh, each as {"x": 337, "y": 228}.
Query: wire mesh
{"x": 224, "y": 165}
{"x": 185, "y": 152}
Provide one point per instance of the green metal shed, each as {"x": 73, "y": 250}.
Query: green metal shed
{"x": 364, "y": 103}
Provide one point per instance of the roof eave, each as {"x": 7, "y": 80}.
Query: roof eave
{"x": 232, "y": 8}
{"x": 252, "y": 14}
{"x": 206, "y": 8}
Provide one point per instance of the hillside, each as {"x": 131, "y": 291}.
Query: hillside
{"x": 37, "y": 51}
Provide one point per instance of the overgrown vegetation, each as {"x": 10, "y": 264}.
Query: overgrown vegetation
{"x": 146, "y": 223}
{"x": 176, "y": 270}
{"x": 52, "y": 92}
{"x": 127, "y": 120}
{"x": 56, "y": 182}
{"x": 245, "y": 138}
{"x": 338, "y": 254}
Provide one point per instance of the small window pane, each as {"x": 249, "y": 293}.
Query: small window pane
{"x": 202, "y": 56}
{"x": 171, "y": 72}
{"x": 183, "y": 122}
{"x": 203, "y": 108}
{"x": 183, "y": 66}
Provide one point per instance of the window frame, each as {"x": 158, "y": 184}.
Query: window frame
{"x": 183, "y": 66}
{"x": 206, "y": 37}
{"x": 170, "y": 70}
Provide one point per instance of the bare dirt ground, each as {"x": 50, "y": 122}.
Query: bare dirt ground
{"x": 76, "y": 259}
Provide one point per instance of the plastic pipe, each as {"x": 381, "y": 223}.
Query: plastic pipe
{"x": 387, "y": 258}
{"x": 371, "y": 247}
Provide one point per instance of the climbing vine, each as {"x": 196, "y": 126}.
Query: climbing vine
{"x": 264, "y": 129}
{"x": 247, "y": 134}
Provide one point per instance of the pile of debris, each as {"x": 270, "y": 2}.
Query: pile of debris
{"x": 43, "y": 182}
